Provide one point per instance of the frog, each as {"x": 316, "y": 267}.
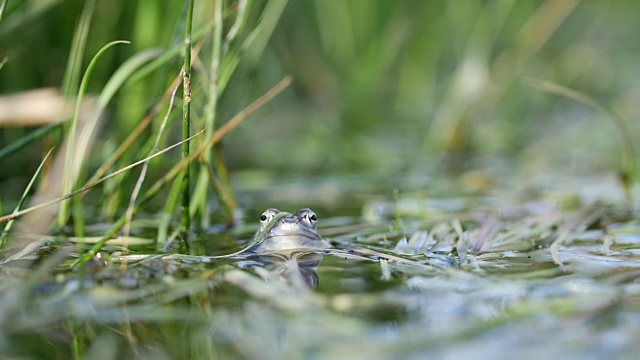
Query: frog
{"x": 289, "y": 232}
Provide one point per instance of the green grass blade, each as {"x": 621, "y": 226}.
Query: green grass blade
{"x": 9, "y": 224}
{"x": 216, "y": 53}
{"x": 27, "y": 139}
{"x": 78, "y": 217}
{"x": 202, "y": 183}
{"x": 3, "y": 6}
{"x": 142, "y": 125}
{"x": 74, "y": 64}
{"x": 167, "y": 214}
{"x": 168, "y": 56}
{"x": 254, "y": 44}
{"x": 223, "y": 64}
{"x": 115, "y": 83}
{"x": 143, "y": 172}
{"x": 90, "y": 186}
{"x": 239, "y": 23}
{"x": 259, "y": 39}
{"x": 124, "y": 72}
{"x": 32, "y": 11}
{"x": 70, "y": 155}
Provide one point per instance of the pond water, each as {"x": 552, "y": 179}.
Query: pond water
{"x": 491, "y": 274}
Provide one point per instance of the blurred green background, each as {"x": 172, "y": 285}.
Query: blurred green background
{"x": 380, "y": 87}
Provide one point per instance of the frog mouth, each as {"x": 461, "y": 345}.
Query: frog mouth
{"x": 308, "y": 235}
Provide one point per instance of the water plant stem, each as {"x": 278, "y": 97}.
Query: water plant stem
{"x": 186, "y": 115}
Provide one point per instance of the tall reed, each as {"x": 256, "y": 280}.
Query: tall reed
{"x": 186, "y": 122}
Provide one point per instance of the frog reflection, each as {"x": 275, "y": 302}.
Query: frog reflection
{"x": 285, "y": 250}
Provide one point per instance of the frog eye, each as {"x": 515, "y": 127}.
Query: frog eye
{"x": 311, "y": 217}
{"x": 268, "y": 214}
{"x": 307, "y": 216}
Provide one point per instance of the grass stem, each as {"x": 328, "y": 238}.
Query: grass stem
{"x": 186, "y": 120}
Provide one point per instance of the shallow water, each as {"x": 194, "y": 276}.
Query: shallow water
{"x": 480, "y": 276}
